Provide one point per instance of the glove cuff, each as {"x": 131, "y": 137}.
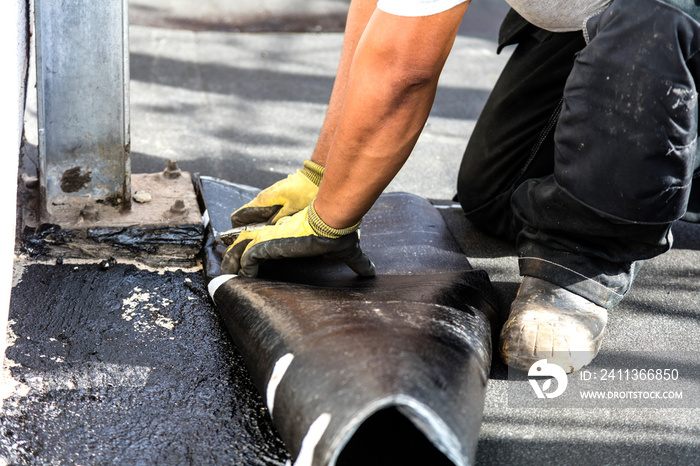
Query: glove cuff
{"x": 321, "y": 229}
{"x": 313, "y": 171}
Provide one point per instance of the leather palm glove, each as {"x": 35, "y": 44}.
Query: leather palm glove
{"x": 283, "y": 198}
{"x": 303, "y": 234}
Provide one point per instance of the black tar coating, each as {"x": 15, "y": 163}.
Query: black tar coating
{"x": 107, "y": 390}
{"x": 34, "y": 239}
{"x": 148, "y": 239}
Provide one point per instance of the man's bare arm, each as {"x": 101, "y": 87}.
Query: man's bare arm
{"x": 390, "y": 90}
{"x": 359, "y": 13}
{"x": 375, "y": 121}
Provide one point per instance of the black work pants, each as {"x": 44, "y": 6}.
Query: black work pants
{"x": 586, "y": 149}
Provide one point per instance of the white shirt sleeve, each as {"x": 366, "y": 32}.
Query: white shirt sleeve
{"x": 416, "y": 7}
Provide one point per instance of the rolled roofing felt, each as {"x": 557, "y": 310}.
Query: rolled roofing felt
{"x": 385, "y": 370}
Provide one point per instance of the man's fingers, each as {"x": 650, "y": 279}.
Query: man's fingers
{"x": 231, "y": 262}
{"x": 359, "y": 262}
{"x": 247, "y": 215}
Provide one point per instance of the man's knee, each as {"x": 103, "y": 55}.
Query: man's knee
{"x": 626, "y": 136}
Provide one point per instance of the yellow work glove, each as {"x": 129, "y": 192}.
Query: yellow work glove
{"x": 303, "y": 234}
{"x": 283, "y": 198}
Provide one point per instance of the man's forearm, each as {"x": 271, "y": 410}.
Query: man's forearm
{"x": 373, "y": 141}
{"x": 359, "y": 13}
{"x": 390, "y": 91}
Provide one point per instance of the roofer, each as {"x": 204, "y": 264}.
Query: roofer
{"x": 584, "y": 154}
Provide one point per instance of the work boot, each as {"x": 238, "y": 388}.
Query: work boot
{"x": 549, "y": 322}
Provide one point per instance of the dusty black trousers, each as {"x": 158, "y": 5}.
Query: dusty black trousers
{"x": 586, "y": 149}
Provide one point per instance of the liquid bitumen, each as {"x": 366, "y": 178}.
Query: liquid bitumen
{"x": 112, "y": 364}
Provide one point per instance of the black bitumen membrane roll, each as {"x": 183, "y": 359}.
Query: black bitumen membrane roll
{"x": 384, "y": 370}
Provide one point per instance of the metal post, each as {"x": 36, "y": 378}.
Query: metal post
{"x": 85, "y": 180}
{"x": 82, "y": 55}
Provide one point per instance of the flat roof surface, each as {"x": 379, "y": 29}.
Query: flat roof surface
{"x": 118, "y": 364}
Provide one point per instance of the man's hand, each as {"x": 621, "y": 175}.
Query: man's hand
{"x": 286, "y": 197}
{"x": 303, "y": 234}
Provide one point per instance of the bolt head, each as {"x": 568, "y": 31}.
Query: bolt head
{"x": 172, "y": 171}
{"x": 179, "y": 208}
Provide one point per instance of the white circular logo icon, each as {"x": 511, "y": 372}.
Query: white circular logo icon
{"x": 544, "y": 369}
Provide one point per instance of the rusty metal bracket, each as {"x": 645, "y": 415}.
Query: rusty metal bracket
{"x": 163, "y": 228}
